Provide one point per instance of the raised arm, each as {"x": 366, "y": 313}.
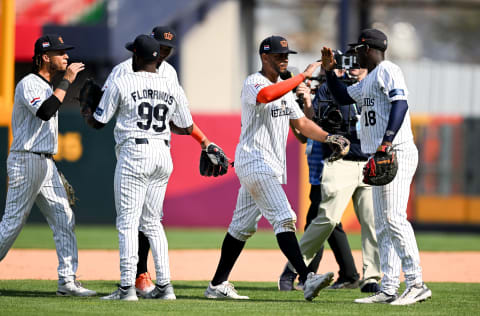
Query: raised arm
{"x": 336, "y": 87}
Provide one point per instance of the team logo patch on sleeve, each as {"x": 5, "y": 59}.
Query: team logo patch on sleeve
{"x": 99, "y": 111}
{"x": 35, "y": 101}
{"x": 395, "y": 92}
{"x": 258, "y": 85}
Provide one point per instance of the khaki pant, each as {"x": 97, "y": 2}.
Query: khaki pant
{"x": 342, "y": 181}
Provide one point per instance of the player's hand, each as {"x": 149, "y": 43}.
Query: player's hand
{"x": 311, "y": 68}
{"x": 303, "y": 90}
{"x": 72, "y": 70}
{"x": 328, "y": 62}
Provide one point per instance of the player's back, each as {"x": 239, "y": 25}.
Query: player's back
{"x": 165, "y": 70}
{"x": 146, "y": 102}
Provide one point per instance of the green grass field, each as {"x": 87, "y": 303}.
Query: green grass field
{"x": 33, "y": 297}
{"x": 105, "y": 237}
{"x": 36, "y": 297}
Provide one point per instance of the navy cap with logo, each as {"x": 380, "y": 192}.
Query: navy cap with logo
{"x": 373, "y": 38}
{"x": 275, "y": 45}
{"x": 165, "y": 35}
{"x": 144, "y": 46}
{"x": 49, "y": 42}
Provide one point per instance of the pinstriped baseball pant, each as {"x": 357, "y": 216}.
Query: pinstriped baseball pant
{"x": 141, "y": 178}
{"x": 395, "y": 236}
{"x": 35, "y": 179}
{"x": 261, "y": 194}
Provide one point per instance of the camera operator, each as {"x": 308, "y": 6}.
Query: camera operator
{"x": 348, "y": 275}
{"x": 341, "y": 181}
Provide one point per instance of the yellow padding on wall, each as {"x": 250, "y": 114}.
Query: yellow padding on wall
{"x": 458, "y": 209}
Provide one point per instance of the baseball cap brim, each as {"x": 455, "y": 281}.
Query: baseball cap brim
{"x": 129, "y": 46}
{"x": 59, "y": 47}
{"x": 167, "y": 43}
{"x": 282, "y": 51}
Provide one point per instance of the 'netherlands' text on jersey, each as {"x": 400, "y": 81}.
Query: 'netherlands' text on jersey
{"x": 30, "y": 133}
{"x": 375, "y": 93}
{"x": 144, "y": 103}
{"x": 265, "y": 127}
{"x": 165, "y": 70}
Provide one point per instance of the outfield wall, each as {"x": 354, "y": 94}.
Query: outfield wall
{"x": 446, "y": 189}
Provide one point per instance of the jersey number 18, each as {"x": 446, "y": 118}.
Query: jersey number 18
{"x": 370, "y": 118}
{"x": 147, "y": 112}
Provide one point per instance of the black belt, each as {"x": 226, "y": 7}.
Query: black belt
{"x": 145, "y": 141}
{"x": 354, "y": 159}
{"x": 44, "y": 155}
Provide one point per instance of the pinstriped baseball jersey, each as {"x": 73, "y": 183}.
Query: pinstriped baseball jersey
{"x": 34, "y": 179}
{"x": 263, "y": 138}
{"x": 30, "y": 133}
{"x": 165, "y": 70}
{"x": 144, "y": 103}
{"x": 375, "y": 93}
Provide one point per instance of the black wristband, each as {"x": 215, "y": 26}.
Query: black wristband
{"x": 63, "y": 85}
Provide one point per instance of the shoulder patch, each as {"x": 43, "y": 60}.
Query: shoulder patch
{"x": 396, "y": 92}
{"x": 258, "y": 85}
{"x": 99, "y": 111}
{"x": 34, "y": 101}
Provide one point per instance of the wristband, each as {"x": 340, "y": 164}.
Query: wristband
{"x": 63, "y": 85}
{"x": 198, "y": 134}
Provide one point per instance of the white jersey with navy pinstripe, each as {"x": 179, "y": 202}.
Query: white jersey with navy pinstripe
{"x": 144, "y": 103}
{"x": 30, "y": 133}
{"x": 165, "y": 70}
{"x": 33, "y": 177}
{"x": 375, "y": 93}
{"x": 265, "y": 127}
{"x": 396, "y": 239}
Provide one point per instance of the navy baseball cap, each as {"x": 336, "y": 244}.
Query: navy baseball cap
{"x": 49, "y": 42}
{"x": 165, "y": 35}
{"x": 373, "y": 38}
{"x": 275, "y": 45}
{"x": 145, "y": 47}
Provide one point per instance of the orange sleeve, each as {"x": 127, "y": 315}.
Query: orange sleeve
{"x": 197, "y": 134}
{"x": 275, "y": 91}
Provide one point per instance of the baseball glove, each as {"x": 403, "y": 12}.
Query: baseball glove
{"x": 90, "y": 95}
{"x": 72, "y": 198}
{"x": 381, "y": 168}
{"x": 213, "y": 161}
{"x": 339, "y": 146}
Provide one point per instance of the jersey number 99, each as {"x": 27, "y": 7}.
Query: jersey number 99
{"x": 147, "y": 112}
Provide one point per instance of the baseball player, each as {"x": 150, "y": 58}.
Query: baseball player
{"x": 32, "y": 174}
{"x": 268, "y": 107}
{"x": 144, "y": 103}
{"x": 341, "y": 182}
{"x": 385, "y": 122}
{"x": 167, "y": 38}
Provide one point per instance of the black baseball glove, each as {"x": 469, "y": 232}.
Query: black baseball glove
{"x": 339, "y": 146}
{"x": 90, "y": 95}
{"x": 213, "y": 161}
{"x": 381, "y": 168}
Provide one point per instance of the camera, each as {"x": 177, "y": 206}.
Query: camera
{"x": 345, "y": 61}
{"x": 331, "y": 119}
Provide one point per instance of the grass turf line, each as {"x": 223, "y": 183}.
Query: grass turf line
{"x": 39, "y": 236}
{"x": 37, "y": 297}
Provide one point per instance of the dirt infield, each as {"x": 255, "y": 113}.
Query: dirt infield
{"x": 253, "y": 265}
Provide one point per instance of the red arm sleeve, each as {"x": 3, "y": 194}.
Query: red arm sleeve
{"x": 275, "y": 91}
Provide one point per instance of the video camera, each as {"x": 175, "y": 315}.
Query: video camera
{"x": 345, "y": 61}
{"x": 331, "y": 119}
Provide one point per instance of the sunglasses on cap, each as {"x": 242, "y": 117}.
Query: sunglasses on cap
{"x": 358, "y": 47}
